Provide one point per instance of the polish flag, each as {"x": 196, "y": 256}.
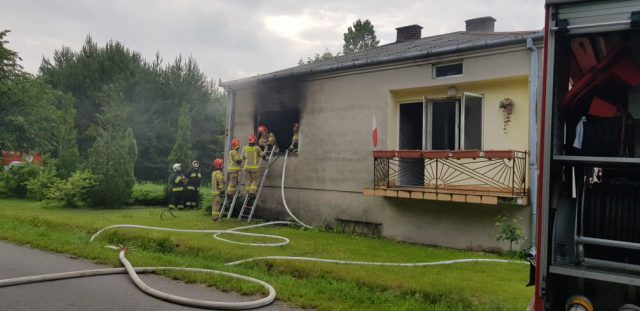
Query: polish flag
{"x": 375, "y": 131}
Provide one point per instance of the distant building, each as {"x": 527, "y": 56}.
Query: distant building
{"x": 446, "y": 163}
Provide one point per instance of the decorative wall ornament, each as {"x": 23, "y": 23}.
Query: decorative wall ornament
{"x": 506, "y": 105}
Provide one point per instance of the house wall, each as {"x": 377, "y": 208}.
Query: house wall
{"x": 325, "y": 179}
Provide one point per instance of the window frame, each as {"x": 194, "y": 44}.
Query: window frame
{"x": 435, "y": 67}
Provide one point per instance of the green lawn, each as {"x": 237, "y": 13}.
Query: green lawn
{"x": 323, "y": 286}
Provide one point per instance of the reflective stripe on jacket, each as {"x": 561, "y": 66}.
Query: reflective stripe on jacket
{"x": 252, "y": 155}
{"x": 217, "y": 182}
{"x": 234, "y": 158}
{"x": 268, "y": 139}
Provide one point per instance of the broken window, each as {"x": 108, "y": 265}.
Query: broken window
{"x": 280, "y": 123}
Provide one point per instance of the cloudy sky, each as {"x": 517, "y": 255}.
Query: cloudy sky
{"x": 235, "y": 39}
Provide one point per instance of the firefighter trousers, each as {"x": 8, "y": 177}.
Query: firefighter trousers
{"x": 253, "y": 178}
{"x": 192, "y": 197}
{"x": 176, "y": 199}
{"x": 233, "y": 183}
{"x": 216, "y": 205}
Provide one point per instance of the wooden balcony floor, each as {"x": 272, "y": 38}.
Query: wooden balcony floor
{"x": 477, "y": 195}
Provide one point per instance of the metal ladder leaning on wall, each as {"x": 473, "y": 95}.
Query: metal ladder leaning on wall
{"x": 223, "y": 209}
{"x": 246, "y": 212}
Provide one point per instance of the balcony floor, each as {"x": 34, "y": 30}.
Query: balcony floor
{"x": 450, "y": 194}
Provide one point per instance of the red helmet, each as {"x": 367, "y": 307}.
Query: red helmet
{"x": 235, "y": 143}
{"x": 262, "y": 129}
{"x": 217, "y": 164}
{"x": 252, "y": 139}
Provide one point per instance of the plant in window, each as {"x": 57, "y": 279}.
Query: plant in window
{"x": 506, "y": 105}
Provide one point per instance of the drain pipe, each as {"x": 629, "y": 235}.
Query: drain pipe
{"x": 228, "y": 131}
{"x": 533, "y": 140}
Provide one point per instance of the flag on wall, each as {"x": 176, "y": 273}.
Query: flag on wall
{"x": 375, "y": 131}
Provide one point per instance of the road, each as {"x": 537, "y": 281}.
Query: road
{"x": 112, "y": 292}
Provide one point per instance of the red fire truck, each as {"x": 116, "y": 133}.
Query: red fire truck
{"x": 588, "y": 213}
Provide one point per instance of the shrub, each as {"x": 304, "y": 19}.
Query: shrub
{"x": 38, "y": 187}
{"x": 73, "y": 191}
{"x": 206, "y": 199}
{"x": 16, "y": 177}
{"x": 148, "y": 194}
{"x": 509, "y": 230}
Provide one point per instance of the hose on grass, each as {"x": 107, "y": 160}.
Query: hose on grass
{"x": 129, "y": 269}
{"x": 133, "y": 274}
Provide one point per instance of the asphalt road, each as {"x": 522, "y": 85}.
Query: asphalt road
{"x": 112, "y": 292}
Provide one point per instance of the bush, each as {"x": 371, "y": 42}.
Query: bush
{"x": 148, "y": 194}
{"x": 15, "y": 179}
{"x": 38, "y": 187}
{"x": 509, "y": 230}
{"x": 73, "y": 191}
{"x": 206, "y": 199}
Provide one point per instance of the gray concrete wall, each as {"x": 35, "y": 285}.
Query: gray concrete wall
{"x": 325, "y": 180}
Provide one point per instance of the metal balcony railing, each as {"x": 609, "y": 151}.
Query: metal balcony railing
{"x": 501, "y": 172}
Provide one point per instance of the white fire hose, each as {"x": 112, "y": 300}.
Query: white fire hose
{"x": 128, "y": 268}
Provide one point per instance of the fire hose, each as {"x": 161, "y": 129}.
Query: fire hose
{"x": 132, "y": 272}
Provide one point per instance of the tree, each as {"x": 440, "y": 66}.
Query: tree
{"x": 360, "y": 37}
{"x": 181, "y": 151}
{"x": 9, "y": 66}
{"x": 326, "y": 55}
{"x": 113, "y": 155}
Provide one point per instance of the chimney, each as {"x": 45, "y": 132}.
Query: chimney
{"x": 480, "y": 24}
{"x": 408, "y": 33}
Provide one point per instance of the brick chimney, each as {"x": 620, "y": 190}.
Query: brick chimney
{"x": 481, "y": 24}
{"x": 408, "y": 33}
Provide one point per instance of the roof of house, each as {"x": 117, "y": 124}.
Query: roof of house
{"x": 450, "y": 43}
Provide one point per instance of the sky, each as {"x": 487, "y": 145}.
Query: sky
{"x": 240, "y": 38}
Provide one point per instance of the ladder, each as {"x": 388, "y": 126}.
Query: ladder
{"x": 246, "y": 212}
{"x": 223, "y": 210}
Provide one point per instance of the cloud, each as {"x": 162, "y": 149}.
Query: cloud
{"x": 234, "y": 39}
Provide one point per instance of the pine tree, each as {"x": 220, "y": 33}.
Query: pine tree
{"x": 360, "y": 37}
{"x": 113, "y": 155}
{"x": 181, "y": 152}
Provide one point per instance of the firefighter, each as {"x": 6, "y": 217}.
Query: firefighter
{"x": 235, "y": 162}
{"x": 294, "y": 139}
{"x": 267, "y": 139}
{"x": 252, "y": 155}
{"x": 217, "y": 187}
{"x": 176, "y": 187}
{"x": 194, "y": 177}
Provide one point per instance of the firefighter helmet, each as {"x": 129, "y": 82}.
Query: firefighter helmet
{"x": 195, "y": 163}
{"x": 295, "y": 127}
{"x": 235, "y": 143}
{"x": 262, "y": 129}
{"x": 217, "y": 164}
{"x": 177, "y": 167}
{"x": 252, "y": 139}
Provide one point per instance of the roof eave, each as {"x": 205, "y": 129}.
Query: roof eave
{"x": 386, "y": 60}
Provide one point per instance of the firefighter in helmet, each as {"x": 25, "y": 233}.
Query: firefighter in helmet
{"x": 267, "y": 140}
{"x": 176, "y": 187}
{"x": 194, "y": 177}
{"x": 235, "y": 162}
{"x": 217, "y": 187}
{"x": 252, "y": 155}
{"x": 294, "y": 140}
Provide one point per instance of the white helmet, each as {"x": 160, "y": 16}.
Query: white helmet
{"x": 195, "y": 163}
{"x": 177, "y": 167}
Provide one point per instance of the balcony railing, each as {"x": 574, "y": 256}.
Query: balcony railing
{"x": 496, "y": 172}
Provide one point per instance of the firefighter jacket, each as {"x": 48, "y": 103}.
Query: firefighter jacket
{"x": 235, "y": 160}
{"x": 217, "y": 182}
{"x": 252, "y": 155}
{"x": 193, "y": 179}
{"x": 294, "y": 142}
{"x": 268, "y": 139}
{"x": 176, "y": 182}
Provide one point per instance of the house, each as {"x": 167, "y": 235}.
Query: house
{"x": 447, "y": 163}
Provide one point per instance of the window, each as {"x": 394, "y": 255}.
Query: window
{"x": 442, "y": 124}
{"x": 280, "y": 123}
{"x": 447, "y": 70}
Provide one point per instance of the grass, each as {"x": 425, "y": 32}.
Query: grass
{"x": 469, "y": 286}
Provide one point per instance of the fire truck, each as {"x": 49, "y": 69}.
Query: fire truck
{"x": 588, "y": 210}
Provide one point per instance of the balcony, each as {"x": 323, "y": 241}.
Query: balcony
{"x": 471, "y": 176}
